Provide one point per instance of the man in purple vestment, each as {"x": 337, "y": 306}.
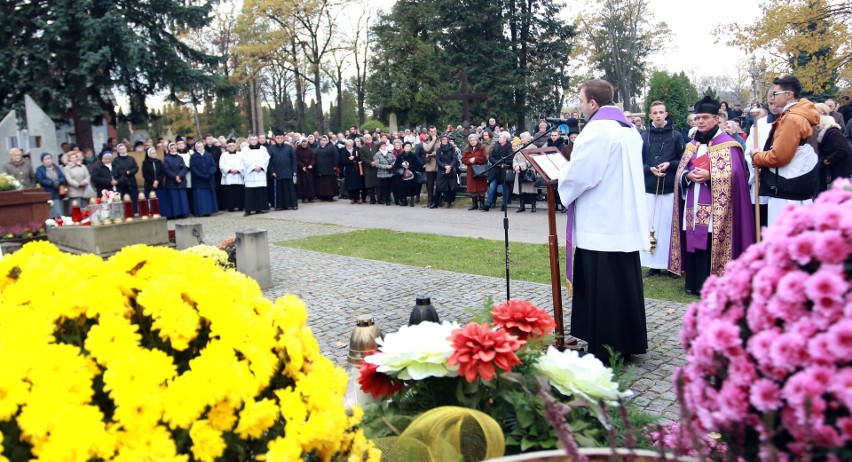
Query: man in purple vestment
{"x": 712, "y": 221}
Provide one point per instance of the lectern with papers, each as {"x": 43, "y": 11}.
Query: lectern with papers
{"x": 547, "y": 162}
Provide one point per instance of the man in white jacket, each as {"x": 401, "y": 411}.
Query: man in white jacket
{"x": 604, "y": 184}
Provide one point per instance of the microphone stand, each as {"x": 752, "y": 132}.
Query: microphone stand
{"x": 507, "y": 193}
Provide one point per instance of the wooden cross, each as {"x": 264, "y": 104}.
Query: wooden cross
{"x": 466, "y": 96}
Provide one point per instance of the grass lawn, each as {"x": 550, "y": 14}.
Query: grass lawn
{"x": 528, "y": 262}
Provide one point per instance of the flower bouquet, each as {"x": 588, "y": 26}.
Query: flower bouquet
{"x": 769, "y": 345}
{"x": 157, "y": 354}
{"x": 490, "y": 367}
{"x": 9, "y": 183}
{"x": 216, "y": 255}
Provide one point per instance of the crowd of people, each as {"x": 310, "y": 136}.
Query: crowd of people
{"x": 257, "y": 174}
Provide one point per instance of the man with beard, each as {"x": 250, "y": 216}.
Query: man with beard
{"x": 282, "y": 164}
{"x": 662, "y": 148}
{"x": 712, "y": 220}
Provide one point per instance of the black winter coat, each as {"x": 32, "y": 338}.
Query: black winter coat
{"x": 282, "y": 161}
{"x": 326, "y": 160}
{"x": 174, "y": 166}
{"x": 152, "y": 169}
{"x": 101, "y": 178}
{"x": 835, "y": 154}
{"x": 124, "y": 169}
{"x": 661, "y": 145}
{"x": 497, "y": 153}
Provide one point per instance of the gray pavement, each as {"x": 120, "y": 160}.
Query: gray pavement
{"x": 336, "y": 288}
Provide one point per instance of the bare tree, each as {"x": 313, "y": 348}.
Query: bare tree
{"x": 360, "y": 46}
{"x": 621, "y": 36}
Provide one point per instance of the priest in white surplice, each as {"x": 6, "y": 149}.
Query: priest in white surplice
{"x": 608, "y": 224}
{"x": 255, "y": 161}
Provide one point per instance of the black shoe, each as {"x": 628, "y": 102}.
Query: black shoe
{"x": 373, "y": 201}
{"x": 404, "y": 203}
{"x": 520, "y": 209}
{"x": 411, "y": 203}
{"x": 247, "y": 214}
{"x": 449, "y": 205}
{"x": 652, "y": 272}
{"x": 433, "y": 206}
{"x": 474, "y": 205}
{"x": 388, "y": 203}
{"x": 484, "y": 208}
{"x": 532, "y": 209}
{"x": 503, "y": 208}
{"x": 691, "y": 292}
{"x": 674, "y": 276}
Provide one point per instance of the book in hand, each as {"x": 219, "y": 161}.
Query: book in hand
{"x": 549, "y": 164}
{"x": 702, "y": 162}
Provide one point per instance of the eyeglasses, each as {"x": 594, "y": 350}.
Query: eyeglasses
{"x": 776, "y": 93}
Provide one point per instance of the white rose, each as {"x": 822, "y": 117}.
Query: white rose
{"x": 585, "y": 376}
{"x": 416, "y": 352}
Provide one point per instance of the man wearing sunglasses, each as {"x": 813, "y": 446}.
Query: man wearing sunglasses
{"x": 789, "y": 163}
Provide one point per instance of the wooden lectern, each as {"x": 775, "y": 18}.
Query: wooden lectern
{"x": 547, "y": 162}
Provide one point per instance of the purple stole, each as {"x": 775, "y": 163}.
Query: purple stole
{"x": 698, "y": 226}
{"x": 604, "y": 113}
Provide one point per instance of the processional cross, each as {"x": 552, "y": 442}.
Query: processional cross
{"x": 466, "y": 96}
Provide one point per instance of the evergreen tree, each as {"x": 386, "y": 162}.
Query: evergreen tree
{"x": 227, "y": 117}
{"x": 676, "y": 92}
{"x": 70, "y": 55}
{"x": 406, "y": 67}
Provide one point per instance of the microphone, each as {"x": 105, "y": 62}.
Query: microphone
{"x": 558, "y": 121}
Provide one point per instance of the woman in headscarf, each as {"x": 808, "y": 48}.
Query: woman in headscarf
{"x": 305, "y": 162}
{"x": 78, "y": 178}
{"x": 20, "y": 168}
{"x": 834, "y": 152}
{"x": 353, "y": 171}
{"x": 102, "y": 176}
{"x": 326, "y": 161}
{"x": 475, "y": 154}
{"x": 50, "y": 177}
{"x": 233, "y": 187}
{"x": 174, "y": 203}
{"x": 255, "y": 162}
{"x": 124, "y": 169}
{"x": 203, "y": 169}
{"x": 384, "y": 162}
{"x": 409, "y": 163}
{"x": 448, "y": 164}
{"x": 153, "y": 173}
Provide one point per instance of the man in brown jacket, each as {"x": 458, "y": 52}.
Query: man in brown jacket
{"x": 789, "y": 174}
{"x": 430, "y": 164}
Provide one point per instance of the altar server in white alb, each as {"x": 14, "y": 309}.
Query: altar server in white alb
{"x": 605, "y": 183}
{"x": 255, "y": 161}
{"x": 662, "y": 149}
{"x": 789, "y": 167}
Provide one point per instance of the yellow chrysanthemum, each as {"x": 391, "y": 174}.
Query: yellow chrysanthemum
{"x": 152, "y": 343}
{"x": 256, "y": 417}
{"x": 207, "y": 442}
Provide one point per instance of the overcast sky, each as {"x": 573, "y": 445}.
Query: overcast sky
{"x": 692, "y": 47}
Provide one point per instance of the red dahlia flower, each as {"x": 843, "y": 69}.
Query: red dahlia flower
{"x": 376, "y": 383}
{"x": 477, "y": 347}
{"x": 523, "y": 319}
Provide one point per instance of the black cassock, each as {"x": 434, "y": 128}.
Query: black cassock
{"x": 602, "y": 315}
